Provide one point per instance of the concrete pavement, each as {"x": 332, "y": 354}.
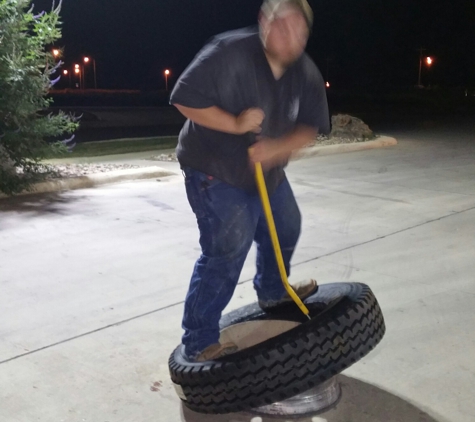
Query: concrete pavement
{"x": 93, "y": 283}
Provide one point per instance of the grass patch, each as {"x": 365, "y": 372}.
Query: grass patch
{"x": 125, "y": 146}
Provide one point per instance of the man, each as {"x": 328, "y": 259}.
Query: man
{"x": 247, "y": 87}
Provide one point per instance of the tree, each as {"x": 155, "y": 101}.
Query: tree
{"x": 27, "y": 70}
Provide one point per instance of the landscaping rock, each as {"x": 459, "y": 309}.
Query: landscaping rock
{"x": 349, "y": 127}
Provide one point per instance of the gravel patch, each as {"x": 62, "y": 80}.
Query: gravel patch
{"x": 163, "y": 157}
{"x": 78, "y": 170}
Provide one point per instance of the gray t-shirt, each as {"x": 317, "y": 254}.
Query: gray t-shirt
{"x": 232, "y": 73}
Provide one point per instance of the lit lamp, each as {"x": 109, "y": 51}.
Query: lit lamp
{"x": 428, "y": 61}
{"x": 77, "y": 71}
{"x": 88, "y": 60}
{"x": 167, "y": 74}
{"x": 56, "y": 53}
{"x": 66, "y": 73}
{"x": 327, "y": 84}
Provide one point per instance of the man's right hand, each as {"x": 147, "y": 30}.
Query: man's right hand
{"x": 250, "y": 120}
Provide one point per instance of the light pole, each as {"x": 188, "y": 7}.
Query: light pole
{"x": 87, "y": 60}
{"x": 167, "y": 73}
{"x": 428, "y": 61}
{"x": 327, "y": 84}
{"x": 56, "y": 52}
{"x": 66, "y": 73}
{"x": 420, "y": 66}
{"x": 78, "y": 71}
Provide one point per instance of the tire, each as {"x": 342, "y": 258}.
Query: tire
{"x": 347, "y": 323}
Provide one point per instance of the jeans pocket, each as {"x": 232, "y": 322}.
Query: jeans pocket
{"x": 195, "y": 194}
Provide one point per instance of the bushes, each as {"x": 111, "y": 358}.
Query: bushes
{"x": 26, "y": 72}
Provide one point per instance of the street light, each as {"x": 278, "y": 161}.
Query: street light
{"x": 66, "y": 73}
{"x": 427, "y": 60}
{"x": 56, "y": 53}
{"x": 77, "y": 71}
{"x": 167, "y": 73}
{"x": 87, "y": 60}
{"x": 327, "y": 84}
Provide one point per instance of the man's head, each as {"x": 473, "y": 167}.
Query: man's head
{"x": 285, "y": 28}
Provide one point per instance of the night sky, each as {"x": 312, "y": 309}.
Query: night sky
{"x": 361, "y": 43}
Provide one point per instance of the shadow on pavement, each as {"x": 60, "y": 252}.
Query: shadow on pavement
{"x": 361, "y": 402}
{"x": 40, "y": 203}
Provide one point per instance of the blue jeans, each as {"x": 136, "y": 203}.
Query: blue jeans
{"x": 230, "y": 220}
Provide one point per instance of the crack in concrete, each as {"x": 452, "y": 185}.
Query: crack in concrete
{"x": 386, "y": 235}
{"x": 116, "y": 324}
{"x": 360, "y": 195}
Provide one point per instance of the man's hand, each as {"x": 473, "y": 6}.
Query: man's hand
{"x": 274, "y": 152}
{"x": 269, "y": 152}
{"x": 217, "y": 119}
{"x": 249, "y": 121}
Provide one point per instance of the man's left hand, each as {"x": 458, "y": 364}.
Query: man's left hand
{"x": 269, "y": 152}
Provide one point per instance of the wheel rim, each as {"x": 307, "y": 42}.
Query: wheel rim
{"x": 312, "y": 402}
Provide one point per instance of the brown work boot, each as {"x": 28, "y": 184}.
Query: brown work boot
{"x": 216, "y": 351}
{"x": 304, "y": 289}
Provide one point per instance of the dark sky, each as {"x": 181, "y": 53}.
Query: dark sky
{"x": 365, "y": 42}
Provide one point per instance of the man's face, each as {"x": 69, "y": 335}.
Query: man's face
{"x": 285, "y": 34}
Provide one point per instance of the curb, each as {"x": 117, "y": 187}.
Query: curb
{"x": 96, "y": 180}
{"x": 383, "y": 141}
{"x": 155, "y": 171}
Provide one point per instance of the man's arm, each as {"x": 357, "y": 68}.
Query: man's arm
{"x": 272, "y": 152}
{"x": 196, "y": 95}
{"x": 217, "y": 119}
{"x": 300, "y": 137}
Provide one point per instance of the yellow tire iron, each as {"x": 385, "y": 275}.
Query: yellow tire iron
{"x": 262, "y": 188}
